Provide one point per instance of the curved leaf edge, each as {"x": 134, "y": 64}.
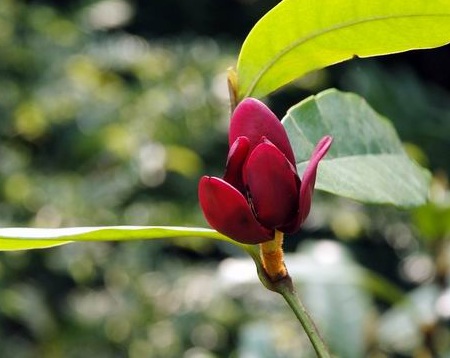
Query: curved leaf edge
{"x": 250, "y": 90}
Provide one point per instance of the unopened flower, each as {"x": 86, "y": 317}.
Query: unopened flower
{"x": 261, "y": 191}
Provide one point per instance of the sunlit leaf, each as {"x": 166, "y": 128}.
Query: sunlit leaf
{"x": 366, "y": 161}
{"x": 299, "y": 36}
{"x": 31, "y": 238}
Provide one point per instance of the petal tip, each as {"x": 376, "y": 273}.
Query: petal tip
{"x": 253, "y": 119}
{"x": 309, "y": 180}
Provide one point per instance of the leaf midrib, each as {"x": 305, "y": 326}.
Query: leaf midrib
{"x": 325, "y": 31}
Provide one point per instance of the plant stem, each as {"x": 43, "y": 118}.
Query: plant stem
{"x": 284, "y": 286}
{"x": 232, "y": 88}
{"x": 273, "y": 258}
{"x": 274, "y": 276}
{"x": 294, "y": 302}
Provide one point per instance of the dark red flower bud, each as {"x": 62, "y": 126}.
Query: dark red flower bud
{"x": 260, "y": 191}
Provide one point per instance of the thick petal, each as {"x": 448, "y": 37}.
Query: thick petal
{"x": 235, "y": 162}
{"x": 254, "y": 120}
{"x": 227, "y": 211}
{"x": 308, "y": 181}
{"x": 273, "y": 185}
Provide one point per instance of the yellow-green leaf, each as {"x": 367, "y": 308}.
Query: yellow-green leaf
{"x": 299, "y": 36}
{"x": 32, "y": 238}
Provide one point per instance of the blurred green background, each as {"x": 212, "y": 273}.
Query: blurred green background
{"x": 111, "y": 110}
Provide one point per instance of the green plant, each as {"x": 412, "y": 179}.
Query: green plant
{"x": 366, "y": 162}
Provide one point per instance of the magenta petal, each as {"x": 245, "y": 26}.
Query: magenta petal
{"x": 309, "y": 178}
{"x": 235, "y": 162}
{"x": 254, "y": 120}
{"x": 273, "y": 185}
{"x": 227, "y": 211}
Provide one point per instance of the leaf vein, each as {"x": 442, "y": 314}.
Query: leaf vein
{"x": 325, "y": 31}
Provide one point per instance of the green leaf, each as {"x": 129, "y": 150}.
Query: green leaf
{"x": 299, "y": 36}
{"x": 31, "y": 238}
{"x": 366, "y": 161}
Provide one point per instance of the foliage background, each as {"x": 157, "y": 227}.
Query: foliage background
{"x": 111, "y": 110}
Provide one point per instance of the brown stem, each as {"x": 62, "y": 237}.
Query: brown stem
{"x": 232, "y": 88}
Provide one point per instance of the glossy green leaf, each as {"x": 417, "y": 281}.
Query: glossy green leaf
{"x": 366, "y": 161}
{"x": 299, "y": 36}
{"x": 31, "y": 238}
